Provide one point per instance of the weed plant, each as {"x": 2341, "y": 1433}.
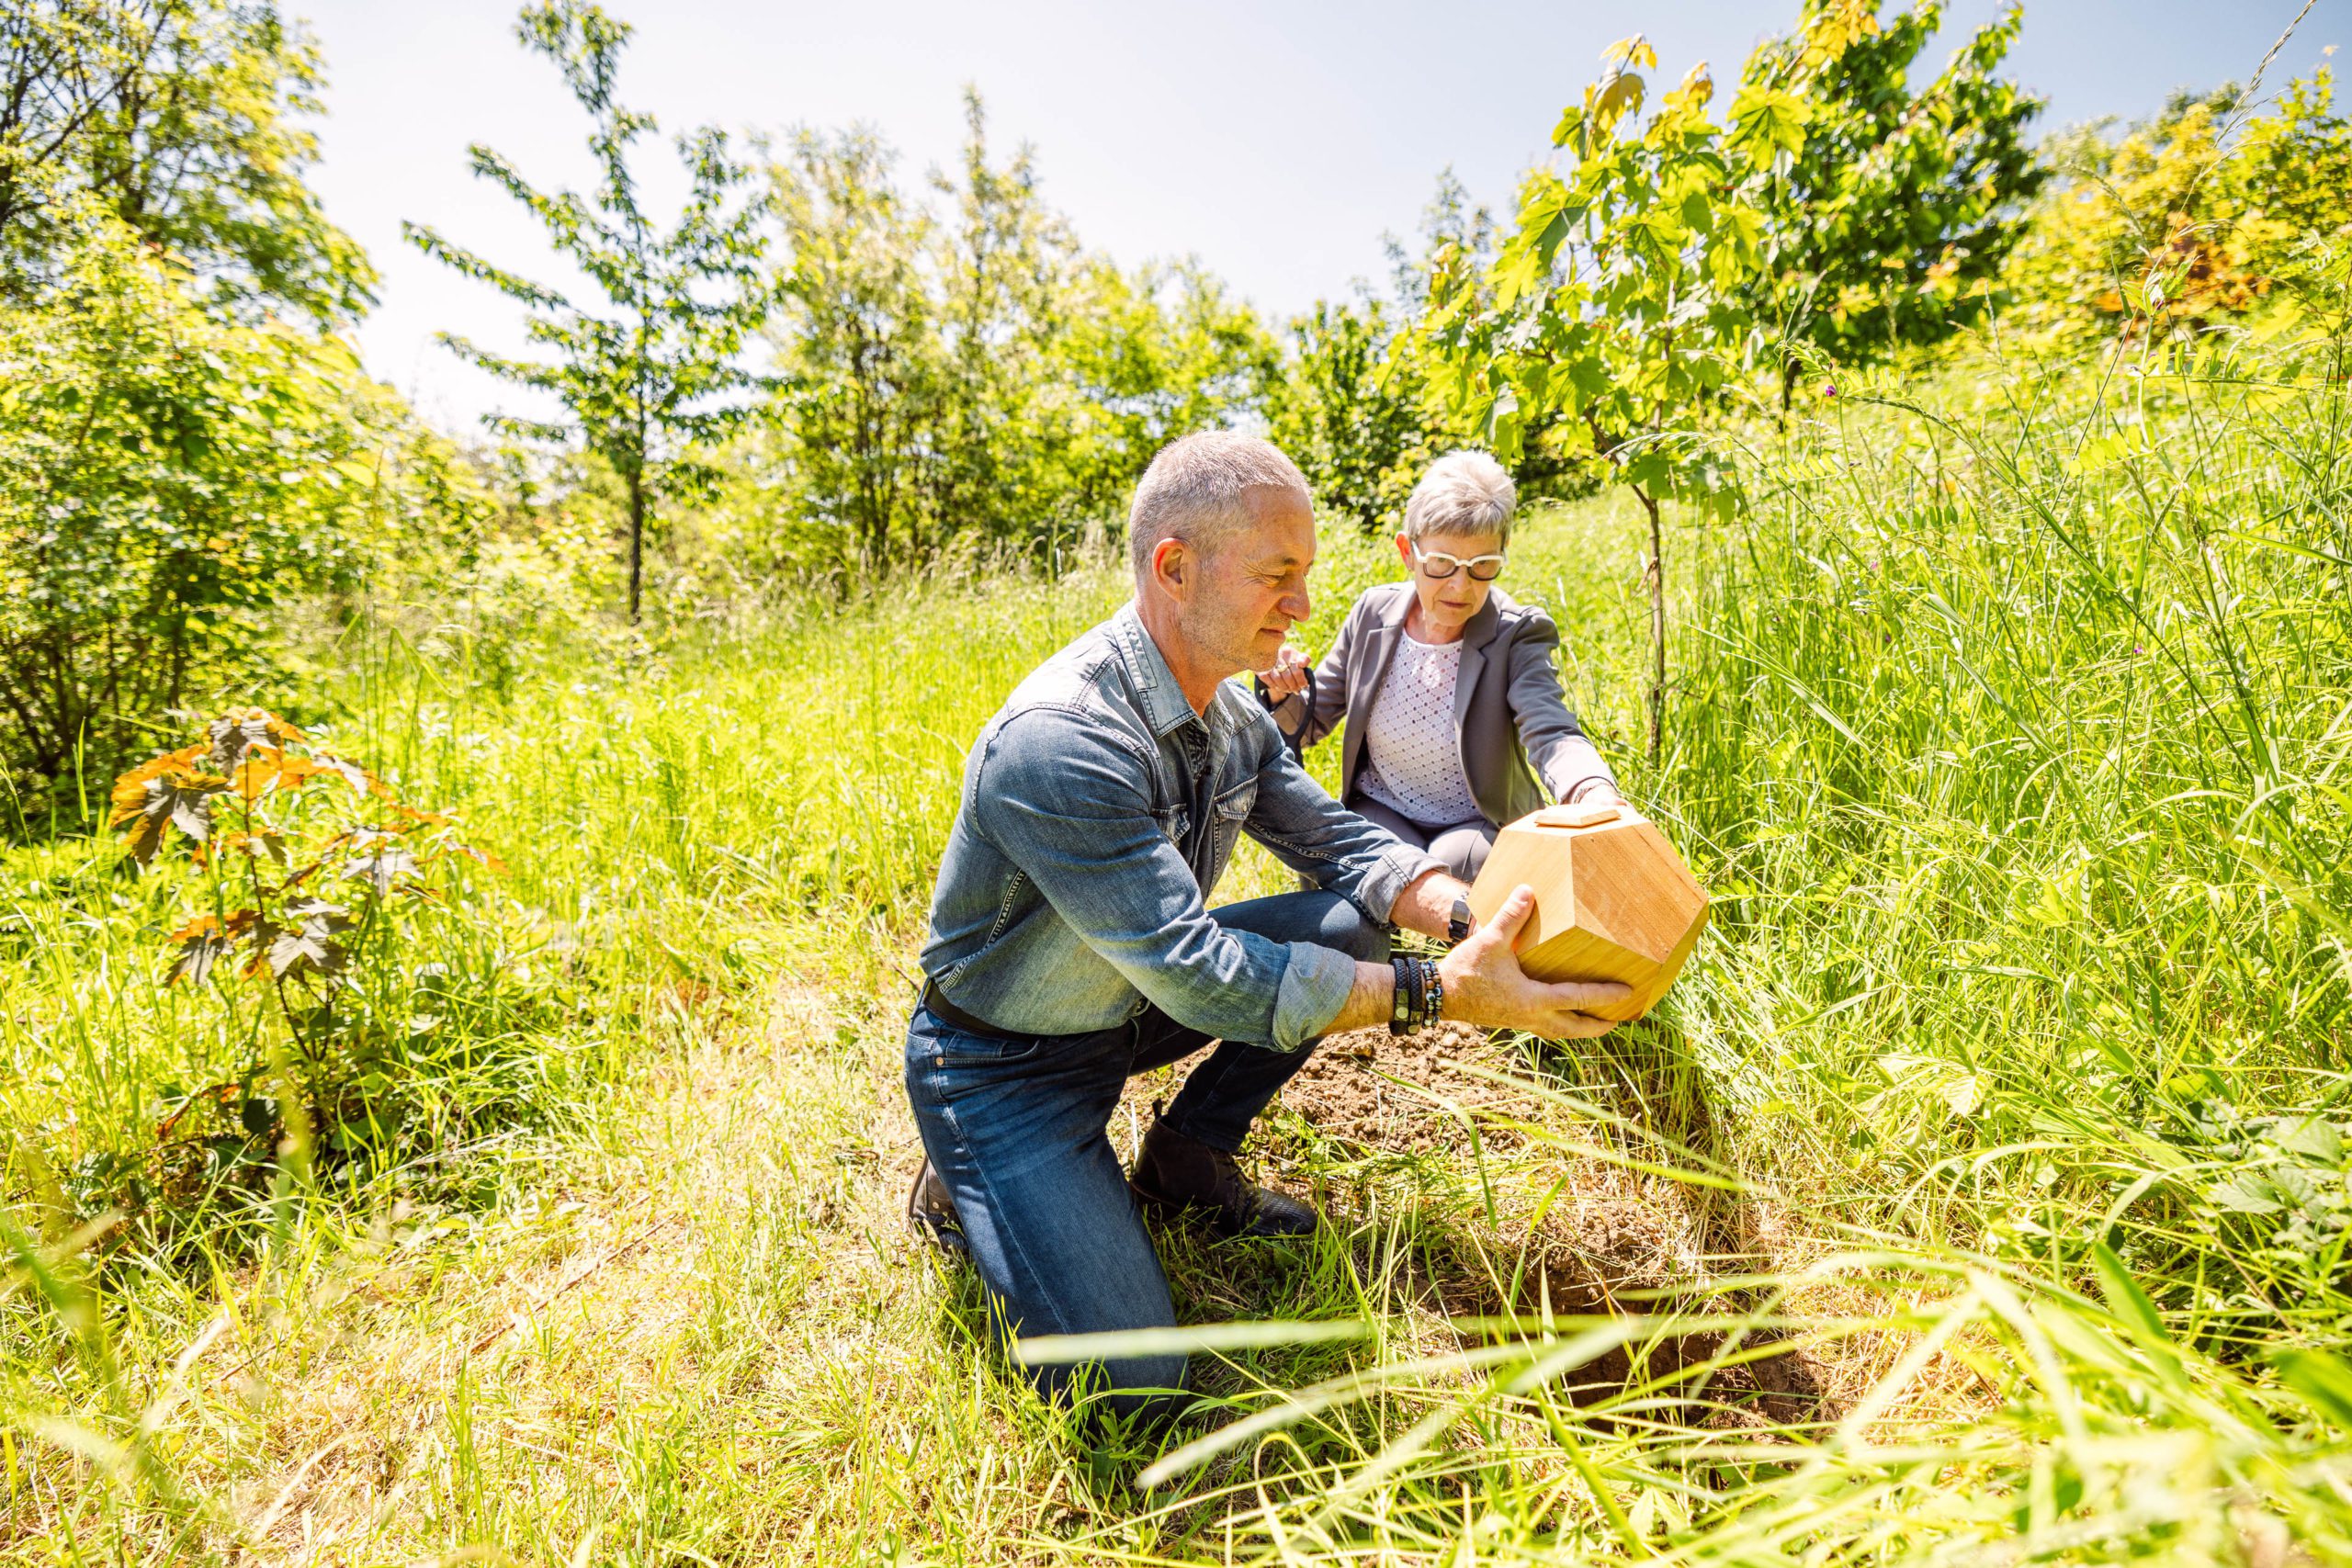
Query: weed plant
{"x": 2006, "y": 1094}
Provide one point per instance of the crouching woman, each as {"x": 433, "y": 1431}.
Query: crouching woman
{"x": 1455, "y": 721}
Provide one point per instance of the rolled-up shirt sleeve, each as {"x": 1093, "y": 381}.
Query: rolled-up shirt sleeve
{"x": 1067, "y": 803}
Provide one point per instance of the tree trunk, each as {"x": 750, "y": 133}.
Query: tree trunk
{"x": 636, "y": 540}
{"x": 1656, "y": 573}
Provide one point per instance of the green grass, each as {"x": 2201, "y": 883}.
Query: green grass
{"x": 2009, "y": 727}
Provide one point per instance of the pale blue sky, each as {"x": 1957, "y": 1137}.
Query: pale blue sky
{"x": 1275, "y": 140}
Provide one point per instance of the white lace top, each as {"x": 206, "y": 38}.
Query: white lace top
{"x": 1412, "y": 757}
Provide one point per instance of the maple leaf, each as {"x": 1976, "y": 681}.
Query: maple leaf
{"x": 255, "y": 773}
{"x": 310, "y": 946}
{"x": 1619, "y": 94}
{"x": 178, "y": 799}
{"x": 1697, "y": 86}
{"x": 380, "y": 870}
{"x": 131, "y": 790}
{"x": 1837, "y": 28}
{"x": 268, "y": 767}
{"x": 203, "y": 941}
{"x": 1633, "y": 51}
{"x": 236, "y": 732}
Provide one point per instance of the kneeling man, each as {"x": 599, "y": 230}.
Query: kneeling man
{"x": 1072, "y": 945}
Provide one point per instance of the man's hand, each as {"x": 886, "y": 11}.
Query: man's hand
{"x": 1484, "y": 985}
{"x": 1288, "y": 677}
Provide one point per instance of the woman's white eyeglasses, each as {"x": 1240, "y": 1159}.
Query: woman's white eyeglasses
{"x": 1437, "y": 563}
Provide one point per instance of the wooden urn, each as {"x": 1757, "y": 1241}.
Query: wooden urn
{"x": 1613, "y": 900}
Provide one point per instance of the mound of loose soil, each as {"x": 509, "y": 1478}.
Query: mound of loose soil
{"x": 1408, "y": 1094}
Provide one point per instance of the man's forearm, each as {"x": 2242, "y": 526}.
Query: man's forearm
{"x": 1427, "y": 903}
{"x": 1371, "y": 1001}
{"x": 1426, "y": 906}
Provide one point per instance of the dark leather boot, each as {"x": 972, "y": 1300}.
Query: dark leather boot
{"x": 931, "y": 1213}
{"x": 1174, "y": 1174}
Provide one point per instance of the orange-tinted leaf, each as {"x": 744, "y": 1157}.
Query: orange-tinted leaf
{"x": 176, "y": 797}
{"x": 235, "y": 732}
{"x": 355, "y": 775}
{"x": 482, "y": 858}
{"x": 194, "y": 929}
{"x": 203, "y": 943}
{"x": 255, "y": 773}
{"x": 130, "y": 789}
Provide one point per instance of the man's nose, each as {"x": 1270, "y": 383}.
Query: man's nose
{"x": 1296, "y": 604}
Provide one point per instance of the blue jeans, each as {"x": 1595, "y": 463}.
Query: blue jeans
{"x": 1016, "y": 1128}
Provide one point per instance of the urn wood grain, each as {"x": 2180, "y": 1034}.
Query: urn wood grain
{"x": 1613, "y": 900}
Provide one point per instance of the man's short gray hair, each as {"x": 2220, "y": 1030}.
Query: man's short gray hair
{"x": 1463, "y": 493}
{"x": 1197, "y": 490}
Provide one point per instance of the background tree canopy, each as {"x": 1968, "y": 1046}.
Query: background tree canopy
{"x": 183, "y": 119}
{"x": 824, "y": 369}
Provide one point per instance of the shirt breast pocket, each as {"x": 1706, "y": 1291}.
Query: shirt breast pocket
{"x": 1232, "y": 809}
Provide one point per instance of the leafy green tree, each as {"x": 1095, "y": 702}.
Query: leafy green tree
{"x": 1620, "y": 295}
{"x": 1003, "y": 264}
{"x": 169, "y": 479}
{"x": 183, "y": 118}
{"x": 1649, "y": 274}
{"x": 1896, "y": 213}
{"x": 1139, "y": 358}
{"x": 859, "y": 379}
{"x": 1347, "y": 411}
{"x": 968, "y": 376}
{"x": 643, "y": 384}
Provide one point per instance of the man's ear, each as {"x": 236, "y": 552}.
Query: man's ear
{"x": 1172, "y": 567}
{"x": 1405, "y": 550}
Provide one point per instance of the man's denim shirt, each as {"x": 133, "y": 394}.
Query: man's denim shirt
{"x": 1098, "y": 813}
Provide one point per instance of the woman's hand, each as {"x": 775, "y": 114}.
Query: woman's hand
{"x": 1484, "y": 985}
{"x": 1288, "y": 677}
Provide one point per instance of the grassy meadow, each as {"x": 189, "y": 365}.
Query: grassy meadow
{"x": 1982, "y": 1190}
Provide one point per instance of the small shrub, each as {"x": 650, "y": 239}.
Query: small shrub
{"x": 305, "y": 865}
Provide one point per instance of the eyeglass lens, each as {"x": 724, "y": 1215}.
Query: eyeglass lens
{"x": 1483, "y": 568}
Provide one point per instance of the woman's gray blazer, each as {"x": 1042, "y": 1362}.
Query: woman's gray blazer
{"x": 1522, "y": 748}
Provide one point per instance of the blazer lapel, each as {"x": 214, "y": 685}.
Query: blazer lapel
{"x": 1474, "y": 638}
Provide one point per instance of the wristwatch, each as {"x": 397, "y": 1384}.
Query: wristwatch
{"x": 1457, "y": 926}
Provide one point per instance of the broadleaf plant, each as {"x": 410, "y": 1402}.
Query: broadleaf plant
{"x": 302, "y": 859}
{"x": 1618, "y": 296}
{"x": 644, "y": 383}
{"x": 1661, "y": 262}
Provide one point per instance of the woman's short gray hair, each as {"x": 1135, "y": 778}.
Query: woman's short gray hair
{"x": 1197, "y": 489}
{"x": 1464, "y": 493}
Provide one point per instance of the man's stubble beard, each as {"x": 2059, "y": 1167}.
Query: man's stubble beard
{"x": 1219, "y": 637}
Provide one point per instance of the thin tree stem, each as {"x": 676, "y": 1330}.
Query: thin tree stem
{"x": 1655, "y": 574}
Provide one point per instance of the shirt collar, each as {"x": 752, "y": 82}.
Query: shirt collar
{"x": 1164, "y": 707}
